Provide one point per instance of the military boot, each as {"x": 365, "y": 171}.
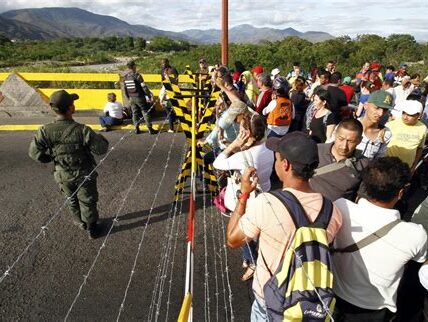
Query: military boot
{"x": 93, "y": 230}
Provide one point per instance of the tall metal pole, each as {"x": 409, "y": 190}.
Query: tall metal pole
{"x": 224, "y": 32}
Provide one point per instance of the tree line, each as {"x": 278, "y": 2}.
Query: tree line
{"x": 349, "y": 53}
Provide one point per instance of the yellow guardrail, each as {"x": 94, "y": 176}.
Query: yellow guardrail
{"x": 90, "y": 98}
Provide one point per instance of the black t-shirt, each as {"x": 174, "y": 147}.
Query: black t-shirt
{"x": 300, "y": 103}
{"x": 337, "y": 100}
{"x": 318, "y": 127}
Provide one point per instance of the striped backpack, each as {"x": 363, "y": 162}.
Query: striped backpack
{"x": 301, "y": 289}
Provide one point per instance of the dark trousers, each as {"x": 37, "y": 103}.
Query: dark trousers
{"x": 83, "y": 204}
{"x": 347, "y": 312}
{"x": 140, "y": 107}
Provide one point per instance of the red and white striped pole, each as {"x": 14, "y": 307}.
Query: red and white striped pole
{"x": 186, "y": 312}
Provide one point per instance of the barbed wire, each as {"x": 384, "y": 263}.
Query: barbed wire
{"x": 214, "y": 258}
{"x": 223, "y": 267}
{"x": 144, "y": 231}
{"x": 173, "y": 257}
{"x": 163, "y": 262}
{"x": 115, "y": 220}
{"x": 44, "y": 228}
{"x": 206, "y": 275}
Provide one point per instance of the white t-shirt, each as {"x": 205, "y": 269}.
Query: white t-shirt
{"x": 369, "y": 278}
{"x": 402, "y": 93}
{"x": 280, "y": 130}
{"x": 257, "y": 156}
{"x": 114, "y": 109}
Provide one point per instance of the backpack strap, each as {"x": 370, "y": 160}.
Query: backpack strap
{"x": 299, "y": 215}
{"x": 378, "y": 234}
{"x": 294, "y": 208}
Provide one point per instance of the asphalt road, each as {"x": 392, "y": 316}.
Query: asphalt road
{"x": 47, "y": 282}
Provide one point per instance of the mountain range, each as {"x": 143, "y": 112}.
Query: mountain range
{"x": 52, "y": 23}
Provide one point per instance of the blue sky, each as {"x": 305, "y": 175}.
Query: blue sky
{"x": 351, "y": 18}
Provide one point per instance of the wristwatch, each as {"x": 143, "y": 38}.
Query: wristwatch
{"x": 242, "y": 195}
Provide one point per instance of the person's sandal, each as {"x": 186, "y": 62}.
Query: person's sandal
{"x": 248, "y": 273}
{"x": 245, "y": 264}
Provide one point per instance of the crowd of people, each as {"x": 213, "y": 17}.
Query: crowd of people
{"x": 330, "y": 242}
{"x": 317, "y": 170}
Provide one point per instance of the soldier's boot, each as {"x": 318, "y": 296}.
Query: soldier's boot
{"x": 137, "y": 129}
{"x": 80, "y": 224}
{"x": 93, "y": 230}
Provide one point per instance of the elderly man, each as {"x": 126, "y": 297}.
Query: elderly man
{"x": 340, "y": 164}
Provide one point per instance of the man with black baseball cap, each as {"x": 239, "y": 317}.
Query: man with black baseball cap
{"x": 70, "y": 146}
{"x": 268, "y": 219}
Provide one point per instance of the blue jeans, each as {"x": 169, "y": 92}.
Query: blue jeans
{"x": 170, "y": 112}
{"x": 258, "y": 310}
{"x": 249, "y": 252}
{"x": 107, "y": 121}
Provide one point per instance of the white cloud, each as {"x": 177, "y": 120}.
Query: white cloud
{"x": 336, "y": 17}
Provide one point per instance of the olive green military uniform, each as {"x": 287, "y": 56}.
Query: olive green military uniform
{"x": 70, "y": 146}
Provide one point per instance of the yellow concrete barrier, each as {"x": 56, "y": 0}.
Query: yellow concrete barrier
{"x": 88, "y": 77}
{"x": 91, "y": 98}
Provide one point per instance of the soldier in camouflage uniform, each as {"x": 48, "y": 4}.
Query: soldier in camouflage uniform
{"x": 70, "y": 146}
{"x": 140, "y": 97}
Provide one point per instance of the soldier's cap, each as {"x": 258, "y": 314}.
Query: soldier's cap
{"x": 298, "y": 148}
{"x": 61, "y": 100}
{"x": 381, "y": 98}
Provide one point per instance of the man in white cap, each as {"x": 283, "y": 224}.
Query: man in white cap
{"x": 275, "y": 73}
{"x": 408, "y": 134}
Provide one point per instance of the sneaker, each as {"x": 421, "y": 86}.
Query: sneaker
{"x": 93, "y": 230}
{"x": 137, "y": 130}
{"x": 170, "y": 131}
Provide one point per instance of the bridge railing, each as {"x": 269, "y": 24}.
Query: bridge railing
{"x": 90, "y": 98}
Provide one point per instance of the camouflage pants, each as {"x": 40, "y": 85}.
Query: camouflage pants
{"x": 83, "y": 204}
{"x": 139, "y": 106}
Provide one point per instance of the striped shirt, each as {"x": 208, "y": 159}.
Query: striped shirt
{"x": 377, "y": 148}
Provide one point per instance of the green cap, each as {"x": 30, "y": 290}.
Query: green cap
{"x": 347, "y": 80}
{"x": 381, "y": 98}
{"x": 61, "y": 100}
